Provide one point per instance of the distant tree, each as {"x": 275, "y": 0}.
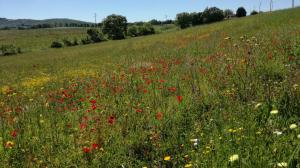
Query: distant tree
{"x": 155, "y": 22}
{"x": 95, "y": 35}
{"x": 212, "y": 14}
{"x": 133, "y": 31}
{"x": 183, "y": 20}
{"x": 254, "y": 12}
{"x": 168, "y": 22}
{"x": 228, "y": 13}
{"x": 197, "y": 18}
{"x": 139, "y": 23}
{"x": 241, "y": 12}
{"x": 115, "y": 26}
{"x": 56, "y": 44}
{"x": 146, "y": 29}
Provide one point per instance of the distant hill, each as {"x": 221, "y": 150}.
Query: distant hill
{"x": 28, "y": 23}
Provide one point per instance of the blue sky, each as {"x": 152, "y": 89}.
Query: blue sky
{"x": 134, "y": 10}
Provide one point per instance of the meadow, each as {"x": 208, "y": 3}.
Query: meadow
{"x": 219, "y": 95}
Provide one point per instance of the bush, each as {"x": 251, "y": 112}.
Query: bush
{"x": 133, "y": 31}
{"x": 155, "y": 22}
{"x": 6, "y": 50}
{"x": 146, "y": 29}
{"x": 197, "y": 18}
{"x": 75, "y": 42}
{"x": 254, "y": 12}
{"x": 115, "y": 26}
{"x": 95, "y": 36}
{"x": 56, "y": 44}
{"x": 87, "y": 40}
{"x": 228, "y": 13}
{"x": 213, "y": 14}
{"x": 67, "y": 42}
{"x": 183, "y": 20}
{"x": 241, "y": 12}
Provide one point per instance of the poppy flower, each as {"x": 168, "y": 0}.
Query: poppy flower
{"x": 111, "y": 120}
{"x": 86, "y": 149}
{"x": 93, "y": 101}
{"x": 14, "y": 133}
{"x": 179, "y": 98}
{"x": 83, "y": 126}
{"x": 95, "y": 146}
{"x": 172, "y": 89}
{"x": 159, "y": 116}
{"x": 139, "y": 110}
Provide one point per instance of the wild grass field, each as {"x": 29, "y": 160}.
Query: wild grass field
{"x": 218, "y": 95}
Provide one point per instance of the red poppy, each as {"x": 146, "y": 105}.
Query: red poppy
{"x": 86, "y": 149}
{"x": 172, "y": 89}
{"x": 94, "y": 107}
{"x": 83, "y": 126}
{"x": 93, "y": 101}
{"x": 159, "y": 116}
{"x": 95, "y": 146}
{"x": 139, "y": 110}
{"x": 111, "y": 120}
{"x": 14, "y": 133}
{"x": 179, "y": 98}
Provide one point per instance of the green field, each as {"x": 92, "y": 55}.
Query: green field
{"x": 218, "y": 95}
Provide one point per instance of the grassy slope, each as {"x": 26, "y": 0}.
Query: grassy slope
{"x": 219, "y": 85}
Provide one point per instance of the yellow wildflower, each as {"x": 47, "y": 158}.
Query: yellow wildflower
{"x": 293, "y": 126}
{"x": 233, "y": 158}
{"x": 167, "y": 158}
{"x": 9, "y": 144}
{"x": 188, "y": 165}
{"x": 282, "y": 164}
{"x": 274, "y": 112}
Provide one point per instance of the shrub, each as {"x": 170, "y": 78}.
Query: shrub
{"x": 197, "y": 18}
{"x": 241, "y": 12}
{"x": 213, "y": 14}
{"x": 155, "y": 22}
{"x": 6, "y": 50}
{"x": 75, "y": 42}
{"x": 95, "y": 35}
{"x": 87, "y": 40}
{"x": 183, "y": 20}
{"x": 67, "y": 42}
{"x": 56, "y": 44}
{"x": 228, "y": 13}
{"x": 146, "y": 29}
{"x": 133, "y": 31}
{"x": 254, "y": 12}
{"x": 115, "y": 26}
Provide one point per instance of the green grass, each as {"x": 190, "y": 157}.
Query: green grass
{"x": 125, "y": 96}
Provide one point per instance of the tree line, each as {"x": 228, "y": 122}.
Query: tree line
{"x": 209, "y": 15}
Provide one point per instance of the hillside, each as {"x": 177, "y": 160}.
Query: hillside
{"x": 59, "y": 22}
{"x": 219, "y": 95}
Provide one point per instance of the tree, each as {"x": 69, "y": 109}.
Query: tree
{"x": 115, "y": 26}
{"x": 133, "y": 31}
{"x": 254, "y": 12}
{"x": 95, "y": 35}
{"x": 155, "y": 22}
{"x": 146, "y": 29}
{"x": 241, "y": 12}
{"x": 212, "y": 14}
{"x": 183, "y": 20}
{"x": 228, "y": 13}
{"x": 197, "y": 18}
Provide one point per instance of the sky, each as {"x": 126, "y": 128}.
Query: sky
{"x": 134, "y": 10}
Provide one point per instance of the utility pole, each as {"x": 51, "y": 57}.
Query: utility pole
{"x": 95, "y": 19}
{"x": 259, "y": 10}
{"x": 271, "y": 5}
{"x": 293, "y": 3}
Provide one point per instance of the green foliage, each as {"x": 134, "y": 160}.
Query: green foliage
{"x": 95, "y": 35}
{"x": 133, "y": 31}
{"x": 228, "y": 13}
{"x": 155, "y": 22}
{"x": 146, "y": 29}
{"x": 6, "y": 50}
{"x": 56, "y": 44}
{"x": 241, "y": 12}
{"x": 254, "y": 12}
{"x": 212, "y": 14}
{"x": 115, "y": 27}
{"x": 197, "y": 18}
{"x": 183, "y": 20}
{"x": 86, "y": 41}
